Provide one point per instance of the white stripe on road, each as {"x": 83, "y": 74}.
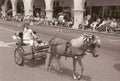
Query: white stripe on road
{"x": 6, "y": 29}
{"x": 113, "y": 40}
{"x": 2, "y": 43}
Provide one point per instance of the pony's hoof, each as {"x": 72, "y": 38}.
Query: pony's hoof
{"x": 96, "y": 55}
{"x": 60, "y": 71}
{"x": 79, "y": 77}
{"x": 75, "y": 78}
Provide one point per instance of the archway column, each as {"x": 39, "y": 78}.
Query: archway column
{"x": 4, "y": 8}
{"x": 28, "y": 12}
{"x": 78, "y": 17}
{"x": 14, "y": 6}
{"x": 14, "y": 12}
{"x": 3, "y": 11}
{"x": 49, "y": 13}
{"x": 28, "y": 7}
{"x": 78, "y": 13}
{"x": 49, "y": 8}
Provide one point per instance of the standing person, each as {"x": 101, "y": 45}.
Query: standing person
{"x": 85, "y": 23}
{"x": 61, "y": 20}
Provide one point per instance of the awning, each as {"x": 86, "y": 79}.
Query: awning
{"x": 103, "y": 2}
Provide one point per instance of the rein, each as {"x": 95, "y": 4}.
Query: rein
{"x": 54, "y": 36}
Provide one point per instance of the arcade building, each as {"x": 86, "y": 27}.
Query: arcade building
{"x": 76, "y": 9}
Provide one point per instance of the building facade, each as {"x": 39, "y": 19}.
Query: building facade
{"x": 76, "y": 8}
{"x": 51, "y": 8}
{"x": 104, "y": 8}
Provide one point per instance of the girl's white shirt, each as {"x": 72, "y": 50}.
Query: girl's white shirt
{"x": 27, "y": 34}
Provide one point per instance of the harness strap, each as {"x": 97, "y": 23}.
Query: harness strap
{"x": 70, "y": 54}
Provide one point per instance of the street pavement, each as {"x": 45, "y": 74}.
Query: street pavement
{"x": 104, "y": 68}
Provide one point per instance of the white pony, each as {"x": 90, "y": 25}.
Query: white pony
{"x": 76, "y": 48}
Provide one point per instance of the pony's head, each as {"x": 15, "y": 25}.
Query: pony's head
{"x": 94, "y": 41}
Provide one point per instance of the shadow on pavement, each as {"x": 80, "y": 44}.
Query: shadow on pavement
{"x": 66, "y": 72}
{"x": 117, "y": 67}
{"x": 34, "y": 62}
{"x": 86, "y": 78}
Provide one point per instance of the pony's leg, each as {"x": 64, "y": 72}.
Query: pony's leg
{"x": 81, "y": 65}
{"x": 48, "y": 61}
{"x": 74, "y": 68}
{"x": 58, "y": 63}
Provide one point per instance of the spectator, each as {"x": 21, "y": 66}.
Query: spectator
{"x": 31, "y": 19}
{"x": 85, "y": 23}
{"x": 112, "y": 26}
{"x": 61, "y": 20}
{"x": 95, "y": 24}
{"x": 105, "y": 23}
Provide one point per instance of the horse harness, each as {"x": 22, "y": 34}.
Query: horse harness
{"x": 68, "y": 44}
{"x": 66, "y": 53}
{"x": 86, "y": 45}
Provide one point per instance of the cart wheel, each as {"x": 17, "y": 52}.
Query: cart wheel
{"x": 18, "y": 56}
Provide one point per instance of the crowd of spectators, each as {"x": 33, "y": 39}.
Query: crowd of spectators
{"x": 42, "y": 19}
{"x": 109, "y": 25}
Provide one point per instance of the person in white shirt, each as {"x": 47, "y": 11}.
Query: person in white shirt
{"x": 28, "y": 35}
{"x": 94, "y": 24}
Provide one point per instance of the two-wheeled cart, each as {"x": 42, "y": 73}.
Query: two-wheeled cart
{"x": 23, "y": 50}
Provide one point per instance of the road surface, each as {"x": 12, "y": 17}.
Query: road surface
{"x": 104, "y": 68}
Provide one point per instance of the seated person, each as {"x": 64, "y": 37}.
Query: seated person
{"x": 28, "y": 35}
{"x": 20, "y": 30}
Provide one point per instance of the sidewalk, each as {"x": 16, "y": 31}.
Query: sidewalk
{"x": 67, "y": 30}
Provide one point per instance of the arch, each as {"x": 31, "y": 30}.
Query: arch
{"x": 63, "y": 6}
{"x": 83, "y": 2}
{"x": 39, "y": 6}
{"x": 9, "y": 5}
{"x": 9, "y": 8}
{"x": 4, "y": 6}
{"x": 20, "y": 6}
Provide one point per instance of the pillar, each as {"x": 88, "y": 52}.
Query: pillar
{"x": 28, "y": 12}
{"x": 49, "y": 13}
{"x": 78, "y": 17}
{"x": 4, "y": 8}
{"x": 14, "y": 7}
{"x": 78, "y": 13}
{"x": 49, "y": 8}
{"x": 14, "y": 12}
{"x": 28, "y": 7}
{"x": 3, "y": 11}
